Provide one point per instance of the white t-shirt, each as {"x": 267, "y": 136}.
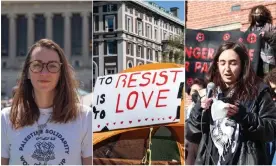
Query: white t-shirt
{"x": 58, "y": 143}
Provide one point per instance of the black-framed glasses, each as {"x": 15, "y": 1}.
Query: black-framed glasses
{"x": 51, "y": 66}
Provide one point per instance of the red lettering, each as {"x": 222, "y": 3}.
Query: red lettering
{"x": 124, "y": 80}
{"x": 135, "y": 102}
{"x": 204, "y": 53}
{"x": 251, "y": 53}
{"x": 188, "y": 51}
{"x": 132, "y": 80}
{"x": 145, "y": 78}
{"x": 175, "y": 73}
{"x": 187, "y": 66}
{"x": 164, "y": 76}
{"x": 161, "y": 97}
{"x": 211, "y": 52}
{"x": 147, "y": 102}
{"x": 204, "y": 67}
{"x": 154, "y": 77}
{"x": 197, "y": 66}
{"x": 196, "y": 52}
{"x": 117, "y": 105}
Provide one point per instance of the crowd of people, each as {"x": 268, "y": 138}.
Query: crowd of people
{"x": 232, "y": 120}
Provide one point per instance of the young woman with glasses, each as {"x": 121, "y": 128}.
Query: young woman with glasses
{"x": 46, "y": 124}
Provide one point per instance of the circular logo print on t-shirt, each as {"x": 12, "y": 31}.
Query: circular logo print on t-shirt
{"x": 44, "y": 147}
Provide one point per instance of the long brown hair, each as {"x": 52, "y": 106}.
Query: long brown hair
{"x": 24, "y": 110}
{"x": 263, "y": 10}
{"x": 246, "y": 86}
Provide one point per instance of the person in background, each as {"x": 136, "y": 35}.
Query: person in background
{"x": 233, "y": 126}
{"x": 270, "y": 79}
{"x": 193, "y": 96}
{"x": 260, "y": 20}
{"x": 46, "y": 124}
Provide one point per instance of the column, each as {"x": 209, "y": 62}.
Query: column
{"x": 30, "y": 38}
{"x": 101, "y": 28}
{"x": 12, "y": 38}
{"x": 101, "y": 58}
{"x": 67, "y": 34}
{"x": 49, "y": 25}
{"x": 85, "y": 38}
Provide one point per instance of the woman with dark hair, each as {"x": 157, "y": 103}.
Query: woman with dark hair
{"x": 261, "y": 21}
{"x": 234, "y": 125}
{"x": 46, "y": 124}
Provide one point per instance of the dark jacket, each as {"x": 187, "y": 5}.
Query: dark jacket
{"x": 257, "y": 119}
{"x": 268, "y": 46}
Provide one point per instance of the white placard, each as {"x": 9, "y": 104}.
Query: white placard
{"x": 137, "y": 99}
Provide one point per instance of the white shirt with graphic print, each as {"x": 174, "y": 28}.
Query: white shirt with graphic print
{"x": 57, "y": 143}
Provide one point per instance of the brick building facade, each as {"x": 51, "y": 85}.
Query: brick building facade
{"x": 225, "y": 15}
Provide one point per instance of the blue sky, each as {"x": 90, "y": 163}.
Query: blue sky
{"x": 168, "y": 4}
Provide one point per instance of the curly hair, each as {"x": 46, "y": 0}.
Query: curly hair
{"x": 24, "y": 110}
{"x": 270, "y": 77}
{"x": 263, "y": 10}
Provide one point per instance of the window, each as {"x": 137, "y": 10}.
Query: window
{"x": 109, "y": 23}
{"x": 155, "y": 22}
{"x": 110, "y": 70}
{"x": 58, "y": 29}
{"x": 236, "y": 8}
{"x": 140, "y": 63}
{"x": 76, "y": 34}
{"x": 129, "y": 48}
{"x": 95, "y": 48}
{"x": 96, "y": 23}
{"x": 139, "y": 51}
{"x": 156, "y": 56}
{"x": 111, "y": 47}
{"x": 150, "y": 19}
{"x": 172, "y": 28}
{"x": 149, "y": 54}
{"x": 110, "y": 8}
{"x": 141, "y": 15}
{"x": 165, "y": 37}
{"x": 5, "y": 36}
{"x": 155, "y": 34}
{"x": 95, "y": 9}
{"x": 76, "y": 64}
{"x": 140, "y": 28}
{"x": 129, "y": 64}
{"x": 130, "y": 10}
{"x": 4, "y": 65}
{"x": 40, "y": 29}
{"x": 136, "y": 13}
{"x": 129, "y": 24}
{"x": 21, "y": 35}
{"x": 148, "y": 31}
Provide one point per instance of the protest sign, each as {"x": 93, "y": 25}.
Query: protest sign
{"x": 201, "y": 46}
{"x": 137, "y": 99}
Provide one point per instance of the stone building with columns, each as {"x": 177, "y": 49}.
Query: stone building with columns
{"x": 130, "y": 33}
{"x": 67, "y": 23}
